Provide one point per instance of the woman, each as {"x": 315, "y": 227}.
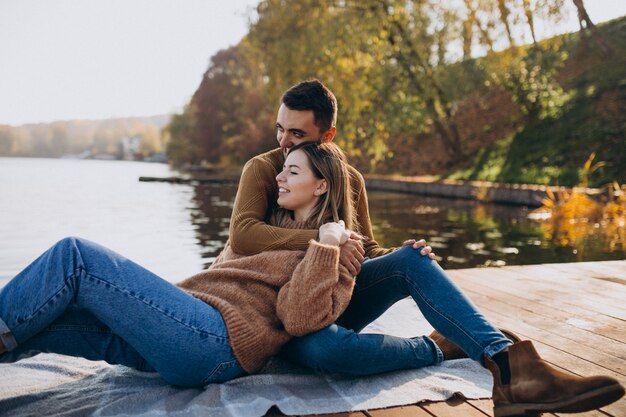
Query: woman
{"x": 81, "y": 299}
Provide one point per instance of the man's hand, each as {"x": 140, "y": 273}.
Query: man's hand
{"x": 420, "y": 244}
{"x": 351, "y": 254}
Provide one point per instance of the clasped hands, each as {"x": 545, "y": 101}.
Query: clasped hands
{"x": 352, "y": 252}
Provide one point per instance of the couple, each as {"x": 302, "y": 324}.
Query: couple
{"x": 284, "y": 284}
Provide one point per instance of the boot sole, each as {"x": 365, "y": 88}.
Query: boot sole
{"x": 587, "y": 401}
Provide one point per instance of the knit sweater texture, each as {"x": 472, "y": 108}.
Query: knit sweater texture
{"x": 256, "y": 200}
{"x": 270, "y": 297}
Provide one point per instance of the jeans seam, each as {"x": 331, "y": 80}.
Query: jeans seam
{"x": 154, "y": 307}
{"x": 78, "y": 328}
{"x": 358, "y": 289}
{"x": 31, "y": 316}
{"x": 220, "y": 369}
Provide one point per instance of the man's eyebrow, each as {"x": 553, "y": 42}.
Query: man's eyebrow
{"x": 293, "y": 130}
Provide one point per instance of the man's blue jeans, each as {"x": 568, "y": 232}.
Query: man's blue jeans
{"x": 382, "y": 282}
{"x": 81, "y": 299}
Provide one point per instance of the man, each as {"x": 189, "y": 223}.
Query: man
{"x": 308, "y": 112}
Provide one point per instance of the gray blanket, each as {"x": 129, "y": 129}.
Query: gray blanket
{"x": 54, "y": 385}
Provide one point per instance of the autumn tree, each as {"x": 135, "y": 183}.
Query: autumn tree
{"x": 226, "y": 120}
{"x": 179, "y": 135}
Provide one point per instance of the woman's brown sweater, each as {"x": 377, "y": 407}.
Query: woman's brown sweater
{"x": 267, "y": 298}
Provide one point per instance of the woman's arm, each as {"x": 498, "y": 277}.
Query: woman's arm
{"x": 318, "y": 292}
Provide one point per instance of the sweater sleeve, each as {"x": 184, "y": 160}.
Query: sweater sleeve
{"x": 249, "y": 233}
{"x": 371, "y": 247}
{"x": 317, "y": 293}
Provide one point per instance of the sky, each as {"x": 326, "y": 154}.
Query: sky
{"x": 96, "y": 59}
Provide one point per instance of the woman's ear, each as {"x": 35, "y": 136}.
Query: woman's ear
{"x": 322, "y": 188}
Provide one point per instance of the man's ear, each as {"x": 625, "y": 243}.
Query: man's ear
{"x": 322, "y": 188}
{"x": 329, "y": 135}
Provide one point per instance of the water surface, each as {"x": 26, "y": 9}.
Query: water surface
{"x": 176, "y": 230}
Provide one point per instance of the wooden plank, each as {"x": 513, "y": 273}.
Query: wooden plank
{"x": 525, "y": 297}
{"x": 564, "y": 295}
{"x": 405, "y": 411}
{"x": 484, "y": 405}
{"x": 608, "y": 271}
{"x": 453, "y": 407}
{"x": 580, "y": 323}
{"x": 603, "y": 363}
{"x": 350, "y": 414}
{"x": 574, "y": 324}
{"x": 552, "y": 332}
{"x": 575, "y": 278}
{"x": 594, "y": 413}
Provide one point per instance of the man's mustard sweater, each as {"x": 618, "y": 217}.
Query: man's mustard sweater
{"x": 256, "y": 200}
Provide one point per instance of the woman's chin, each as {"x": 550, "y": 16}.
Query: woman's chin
{"x": 282, "y": 204}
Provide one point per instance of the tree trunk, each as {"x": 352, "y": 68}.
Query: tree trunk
{"x": 529, "y": 19}
{"x": 595, "y": 33}
{"x": 445, "y": 126}
{"x": 504, "y": 18}
{"x": 468, "y": 29}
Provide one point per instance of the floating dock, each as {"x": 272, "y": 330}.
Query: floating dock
{"x": 575, "y": 314}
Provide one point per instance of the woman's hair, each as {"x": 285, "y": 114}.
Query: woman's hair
{"x": 328, "y": 162}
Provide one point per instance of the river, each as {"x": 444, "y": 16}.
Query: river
{"x": 176, "y": 230}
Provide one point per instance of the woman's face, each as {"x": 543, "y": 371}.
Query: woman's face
{"x": 298, "y": 188}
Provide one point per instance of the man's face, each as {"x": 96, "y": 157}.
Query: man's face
{"x": 296, "y": 126}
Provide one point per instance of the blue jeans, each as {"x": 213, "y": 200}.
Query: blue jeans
{"x": 81, "y": 299}
{"x": 382, "y": 282}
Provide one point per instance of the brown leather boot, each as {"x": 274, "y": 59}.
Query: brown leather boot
{"x": 536, "y": 387}
{"x": 452, "y": 351}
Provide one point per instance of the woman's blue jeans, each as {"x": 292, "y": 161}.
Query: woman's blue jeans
{"x": 382, "y": 282}
{"x": 81, "y": 299}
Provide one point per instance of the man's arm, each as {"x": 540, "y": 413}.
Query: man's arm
{"x": 249, "y": 233}
{"x": 372, "y": 248}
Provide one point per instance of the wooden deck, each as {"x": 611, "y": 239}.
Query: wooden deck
{"x": 574, "y": 313}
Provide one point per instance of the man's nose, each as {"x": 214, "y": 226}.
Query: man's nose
{"x": 285, "y": 141}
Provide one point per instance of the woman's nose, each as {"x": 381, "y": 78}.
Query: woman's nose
{"x": 280, "y": 177}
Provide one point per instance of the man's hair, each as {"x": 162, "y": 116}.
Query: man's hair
{"x": 315, "y": 96}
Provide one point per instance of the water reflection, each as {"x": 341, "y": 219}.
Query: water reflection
{"x": 213, "y": 204}
{"x": 463, "y": 233}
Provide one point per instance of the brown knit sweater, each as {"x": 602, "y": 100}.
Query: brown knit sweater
{"x": 256, "y": 197}
{"x": 267, "y": 298}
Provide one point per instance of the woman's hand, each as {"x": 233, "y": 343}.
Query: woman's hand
{"x": 334, "y": 233}
{"x": 420, "y": 244}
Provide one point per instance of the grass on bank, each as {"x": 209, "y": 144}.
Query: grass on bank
{"x": 593, "y": 119}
